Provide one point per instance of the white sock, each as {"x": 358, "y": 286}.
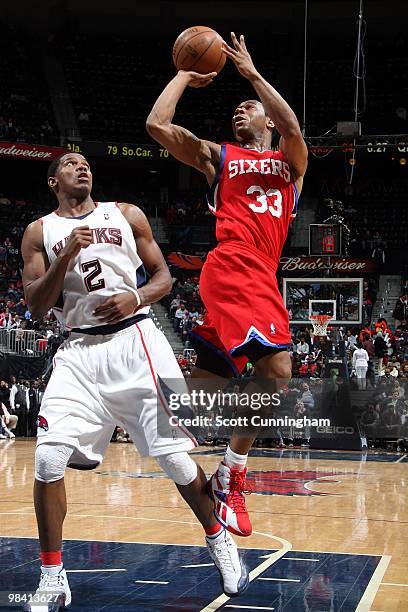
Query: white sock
{"x": 233, "y": 460}
{"x": 216, "y": 537}
{"x": 51, "y": 569}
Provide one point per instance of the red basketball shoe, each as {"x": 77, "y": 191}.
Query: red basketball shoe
{"x": 226, "y": 488}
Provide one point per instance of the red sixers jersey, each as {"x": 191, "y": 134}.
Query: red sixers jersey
{"x": 254, "y": 198}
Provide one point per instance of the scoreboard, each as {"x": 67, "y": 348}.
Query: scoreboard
{"x": 116, "y": 150}
{"x": 325, "y": 239}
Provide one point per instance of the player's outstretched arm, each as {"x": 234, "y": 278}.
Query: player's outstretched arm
{"x": 181, "y": 143}
{"x": 43, "y": 282}
{"x": 292, "y": 144}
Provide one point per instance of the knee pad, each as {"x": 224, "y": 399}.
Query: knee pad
{"x": 179, "y": 467}
{"x": 51, "y": 459}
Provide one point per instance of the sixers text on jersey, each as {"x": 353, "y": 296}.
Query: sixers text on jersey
{"x": 254, "y": 198}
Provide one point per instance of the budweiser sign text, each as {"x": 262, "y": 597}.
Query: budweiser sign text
{"x": 27, "y": 151}
{"x": 342, "y": 265}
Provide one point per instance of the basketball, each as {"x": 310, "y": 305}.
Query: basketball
{"x": 199, "y": 49}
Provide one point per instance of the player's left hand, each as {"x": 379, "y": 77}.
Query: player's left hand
{"x": 116, "y": 308}
{"x": 240, "y": 56}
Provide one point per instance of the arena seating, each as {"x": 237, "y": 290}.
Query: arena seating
{"x": 25, "y": 108}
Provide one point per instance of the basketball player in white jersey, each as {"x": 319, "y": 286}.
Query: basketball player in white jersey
{"x": 82, "y": 260}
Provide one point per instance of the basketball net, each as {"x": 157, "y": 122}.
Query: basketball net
{"x": 320, "y": 323}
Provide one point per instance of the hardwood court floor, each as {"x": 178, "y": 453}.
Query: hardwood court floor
{"x": 303, "y": 503}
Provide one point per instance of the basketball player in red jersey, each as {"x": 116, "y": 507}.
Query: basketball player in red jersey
{"x": 87, "y": 261}
{"x": 254, "y": 194}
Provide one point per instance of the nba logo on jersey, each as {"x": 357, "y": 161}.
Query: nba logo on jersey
{"x": 106, "y": 216}
{"x": 272, "y": 329}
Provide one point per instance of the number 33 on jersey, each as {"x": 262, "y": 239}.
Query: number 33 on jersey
{"x": 254, "y": 198}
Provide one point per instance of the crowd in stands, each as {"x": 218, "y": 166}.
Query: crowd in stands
{"x": 376, "y": 358}
{"x": 25, "y": 106}
{"x": 20, "y": 401}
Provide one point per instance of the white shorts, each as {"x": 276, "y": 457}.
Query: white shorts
{"x": 102, "y": 381}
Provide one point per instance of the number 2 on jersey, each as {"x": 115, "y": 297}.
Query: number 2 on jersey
{"x": 270, "y": 201}
{"x": 93, "y": 268}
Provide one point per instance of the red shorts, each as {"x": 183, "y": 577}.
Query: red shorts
{"x": 245, "y": 313}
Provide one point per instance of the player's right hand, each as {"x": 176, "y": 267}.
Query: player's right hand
{"x": 195, "y": 79}
{"x": 79, "y": 238}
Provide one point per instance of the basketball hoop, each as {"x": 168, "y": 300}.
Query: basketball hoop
{"x": 320, "y": 323}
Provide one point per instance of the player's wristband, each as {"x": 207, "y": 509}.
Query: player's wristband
{"x": 138, "y": 300}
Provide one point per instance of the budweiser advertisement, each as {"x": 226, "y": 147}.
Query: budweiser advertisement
{"x": 340, "y": 266}
{"x": 22, "y": 150}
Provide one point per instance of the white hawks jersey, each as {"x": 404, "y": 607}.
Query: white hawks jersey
{"x": 108, "y": 266}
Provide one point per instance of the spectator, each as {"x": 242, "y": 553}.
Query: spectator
{"x": 360, "y": 365}
{"x": 393, "y": 371}
{"x": 9, "y": 421}
{"x": 179, "y": 316}
{"x": 18, "y": 404}
{"x": 380, "y": 347}
{"x": 35, "y": 394}
{"x": 307, "y": 397}
{"x": 351, "y": 340}
{"x": 21, "y": 308}
{"x": 186, "y": 326}
{"x": 200, "y": 319}
{"x": 4, "y": 393}
{"x": 302, "y": 348}
{"x": 400, "y": 313}
{"x": 175, "y": 304}
{"x": 300, "y": 412}
{"x": 370, "y": 420}
{"x": 368, "y": 345}
{"x": 378, "y": 254}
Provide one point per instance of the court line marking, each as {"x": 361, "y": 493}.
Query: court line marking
{"x": 198, "y": 565}
{"x": 272, "y": 558}
{"x": 393, "y": 584}
{"x": 363, "y": 606}
{"x": 248, "y": 607}
{"x": 369, "y": 594}
{"x": 323, "y": 552}
{"x": 401, "y": 458}
{"x": 295, "y": 559}
{"x": 80, "y": 571}
{"x": 151, "y": 582}
{"x": 281, "y": 579}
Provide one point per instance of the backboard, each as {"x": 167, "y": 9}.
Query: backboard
{"x": 341, "y": 297}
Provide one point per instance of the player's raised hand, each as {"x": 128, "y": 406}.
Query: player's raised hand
{"x": 240, "y": 56}
{"x": 116, "y": 308}
{"x": 196, "y": 80}
{"x": 79, "y": 238}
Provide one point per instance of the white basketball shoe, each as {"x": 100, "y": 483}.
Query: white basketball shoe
{"x": 53, "y": 593}
{"x": 233, "y": 572}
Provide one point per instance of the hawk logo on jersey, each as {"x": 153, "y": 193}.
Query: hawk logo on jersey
{"x": 42, "y": 422}
{"x": 288, "y": 482}
{"x": 272, "y": 329}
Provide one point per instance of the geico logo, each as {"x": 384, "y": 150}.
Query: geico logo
{"x": 335, "y": 430}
